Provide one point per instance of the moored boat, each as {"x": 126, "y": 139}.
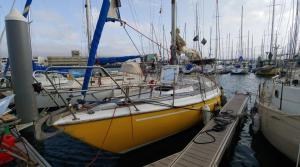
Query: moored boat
{"x": 120, "y": 127}
{"x": 278, "y": 108}
{"x": 163, "y": 106}
{"x": 239, "y": 69}
{"x": 267, "y": 70}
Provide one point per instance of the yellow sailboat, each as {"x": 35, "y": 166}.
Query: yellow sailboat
{"x": 170, "y": 105}
{"x": 119, "y": 129}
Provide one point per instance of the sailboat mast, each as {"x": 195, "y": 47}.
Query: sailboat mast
{"x": 248, "y": 48}
{"x": 228, "y": 46}
{"x": 241, "y": 33}
{"x": 163, "y": 43}
{"x": 88, "y": 23}
{"x": 252, "y": 49}
{"x": 216, "y": 49}
{"x": 210, "y": 32}
{"x": 185, "y": 31}
{"x": 173, "y": 40}
{"x": 296, "y": 29}
{"x": 232, "y": 50}
{"x": 272, "y": 28}
{"x": 262, "y": 47}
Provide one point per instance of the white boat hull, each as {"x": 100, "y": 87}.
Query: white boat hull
{"x": 280, "y": 129}
{"x": 239, "y": 71}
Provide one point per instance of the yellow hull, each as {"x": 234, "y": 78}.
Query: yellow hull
{"x": 126, "y": 133}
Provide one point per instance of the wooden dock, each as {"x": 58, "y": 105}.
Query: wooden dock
{"x": 208, "y": 146}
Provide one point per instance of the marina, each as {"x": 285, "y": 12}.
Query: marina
{"x": 158, "y": 83}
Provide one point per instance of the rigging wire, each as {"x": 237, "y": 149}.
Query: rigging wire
{"x": 135, "y": 19}
{"x": 268, "y": 24}
{"x": 105, "y": 137}
{"x": 139, "y": 32}
{"x": 290, "y": 30}
{"x": 159, "y": 24}
{"x": 287, "y": 26}
{"x": 132, "y": 40}
{"x": 279, "y": 25}
{"x": 158, "y": 46}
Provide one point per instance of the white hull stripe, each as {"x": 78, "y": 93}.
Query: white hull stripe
{"x": 168, "y": 114}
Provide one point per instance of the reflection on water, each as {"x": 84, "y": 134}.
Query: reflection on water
{"x": 248, "y": 151}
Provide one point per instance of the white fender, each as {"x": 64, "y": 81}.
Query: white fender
{"x": 206, "y": 113}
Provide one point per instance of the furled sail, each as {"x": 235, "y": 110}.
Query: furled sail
{"x": 181, "y": 47}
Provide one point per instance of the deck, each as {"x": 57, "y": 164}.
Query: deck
{"x": 208, "y": 152}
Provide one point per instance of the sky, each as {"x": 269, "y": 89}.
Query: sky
{"x": 57, "y": 26}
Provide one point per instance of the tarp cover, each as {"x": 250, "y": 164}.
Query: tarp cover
{"x": 111, "y": 60}
{"x": 132, "y": 68}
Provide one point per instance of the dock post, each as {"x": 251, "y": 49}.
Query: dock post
{"x": 20, "y": 56}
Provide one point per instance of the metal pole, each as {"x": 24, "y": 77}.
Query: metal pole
{"x": 228, "y": 46}
{"x": 20, "y": 55}
{"x": 252, "y": 49}
{"x": 231, "y": 50}
{"x": 88, "y": 23}
{"x": 281, "y": 96}
{"x": 185, "y": 31}
{"x": 173, "y": 33}
{"x": 248, "y": 46}
{"x": 216, "y": 49}
{"x": 173, "y": 103}
{"x": 272, "y": 28}
{"x": 210, "y": 32}
{"x": 242, "y": 50}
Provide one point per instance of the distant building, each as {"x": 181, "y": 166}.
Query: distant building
{"x": 74, "y": 60}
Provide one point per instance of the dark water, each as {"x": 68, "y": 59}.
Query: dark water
{"x": 247, "y": 150}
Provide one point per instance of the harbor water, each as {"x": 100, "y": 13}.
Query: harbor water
{"x": 247, "y": 150}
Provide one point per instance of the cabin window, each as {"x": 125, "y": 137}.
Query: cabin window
{"x": 276, "y": 93}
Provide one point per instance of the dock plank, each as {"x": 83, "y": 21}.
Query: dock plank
{"x": 163, "y": 162}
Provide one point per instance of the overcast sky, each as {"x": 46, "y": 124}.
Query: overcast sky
{"x": 58, "y": 26}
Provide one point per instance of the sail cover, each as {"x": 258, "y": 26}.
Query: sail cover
{"x": 131, "y": 68}
{"x": 112, "y": 60}
{"x": 113, "y": 13}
